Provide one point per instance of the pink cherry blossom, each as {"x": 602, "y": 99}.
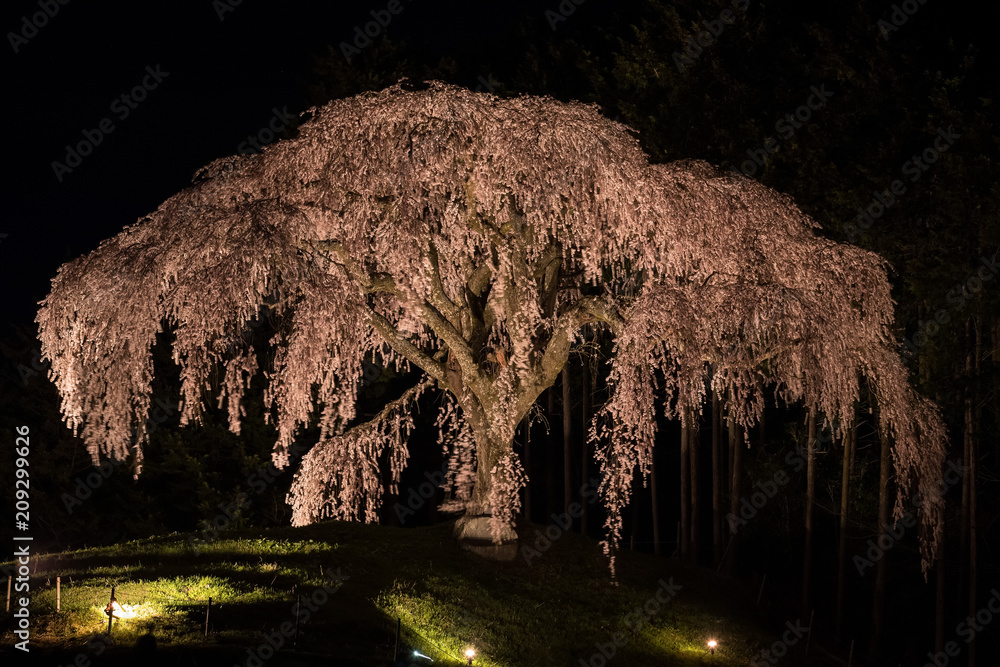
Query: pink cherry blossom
{"x": 474, "y": 238}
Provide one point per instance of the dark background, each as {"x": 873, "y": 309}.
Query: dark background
{"x": 228, "y": 72}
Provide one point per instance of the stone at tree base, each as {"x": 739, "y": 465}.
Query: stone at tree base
{"x": 474, "y": 535}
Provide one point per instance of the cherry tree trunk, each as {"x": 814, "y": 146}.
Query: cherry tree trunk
{"x": 482, "y": 529}
{"x": 488, "y": 454}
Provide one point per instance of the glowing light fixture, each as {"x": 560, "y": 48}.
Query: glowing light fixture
{"x": 126, "y": 611}
{"x": 418, "y": 654}
{"x": 470, "y": 654}
{"x": 712, "y": 644}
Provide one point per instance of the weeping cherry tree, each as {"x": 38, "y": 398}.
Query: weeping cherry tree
{"x": 474, "y": 239}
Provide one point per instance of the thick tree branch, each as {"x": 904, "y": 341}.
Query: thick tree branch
{"x": 410, "y": 352}
{"x": 602, "y": 311}
{"x": 546, "y": 274}
{"x": 472, "y": 372}
{"x": 369, "y": 283}
{"x": 438, "y": 298}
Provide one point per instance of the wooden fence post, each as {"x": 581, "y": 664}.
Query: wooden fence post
{"x": 298, "y": 605}
{"x": 395, "y": 653}
{"x": 110, "y": 611}
{"x": 207, "y": 614}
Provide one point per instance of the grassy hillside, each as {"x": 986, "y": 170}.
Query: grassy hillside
{"x": 355, "y": 581}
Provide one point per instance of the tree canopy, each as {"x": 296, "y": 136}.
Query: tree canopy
{"x": 474, "y": 238}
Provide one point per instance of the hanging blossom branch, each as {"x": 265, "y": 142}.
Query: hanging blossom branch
{"x": 813, "y": 338}
{"x": 340, "y": 477}
{"x": 458, "y": 446}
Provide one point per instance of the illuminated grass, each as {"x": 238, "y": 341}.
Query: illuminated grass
{"x": 556, "y": 611}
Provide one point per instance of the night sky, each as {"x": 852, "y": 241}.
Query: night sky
{"x": 228, "y": 69}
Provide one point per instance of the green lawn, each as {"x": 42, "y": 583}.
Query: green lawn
{"x": 356, "y": 581}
